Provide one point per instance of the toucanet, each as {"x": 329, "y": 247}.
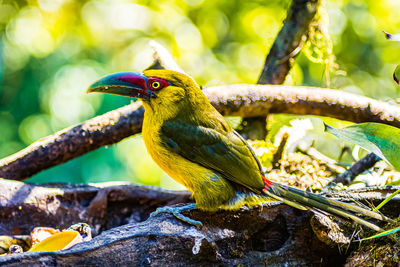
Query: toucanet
{"x": 191, "y": 141}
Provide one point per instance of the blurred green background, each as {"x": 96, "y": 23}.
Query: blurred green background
{"x": 51, "y": 50}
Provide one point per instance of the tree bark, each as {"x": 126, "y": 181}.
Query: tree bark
{"x": 126, "y": 236}
{"x": 285, "y": 48}
{"x": 289, "y": 41}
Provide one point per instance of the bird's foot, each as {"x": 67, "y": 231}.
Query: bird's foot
{"x": 176, "y": 211}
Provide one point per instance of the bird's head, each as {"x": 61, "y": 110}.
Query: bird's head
{"x": 163, "y": 91}
{"x": 150, "y": 84}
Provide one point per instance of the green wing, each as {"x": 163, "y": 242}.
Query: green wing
{"x": 226, "y": 152}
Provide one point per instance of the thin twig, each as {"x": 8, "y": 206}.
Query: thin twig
{"x": 280, "y": 151}
{"x": 356, "y": 169}
{"x": 332, "y": 164}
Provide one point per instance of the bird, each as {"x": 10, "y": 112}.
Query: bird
{"x": 192, "y": 142}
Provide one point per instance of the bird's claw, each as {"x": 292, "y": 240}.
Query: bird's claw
{"x": 176, "y": 211}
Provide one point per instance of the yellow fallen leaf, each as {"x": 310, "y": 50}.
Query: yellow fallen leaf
{"x": 39, "y": 234}
{"x": 59, "y": 241}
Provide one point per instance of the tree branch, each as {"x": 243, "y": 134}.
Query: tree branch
{"x": 289, "y": 41}
{"x": 73, "y": 142}
{"x": 235, "y": 100}
{"x": 125, "y": 235}
{"x": 356, "y": 169}
{"x": 102, "y": 205}
{"x": 286, "y": 46}
{"x": 257, "y": 100}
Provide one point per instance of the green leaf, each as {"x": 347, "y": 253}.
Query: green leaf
{"x": 381, "y": 139}
{"x": 396, "y": 75}
{"x": 387, "y": 200}
{"x": 388, "y": 232}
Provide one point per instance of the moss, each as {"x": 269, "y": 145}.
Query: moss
{"x": 373, "y": 254}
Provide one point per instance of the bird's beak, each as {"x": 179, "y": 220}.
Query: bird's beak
{"x": 132, "y": 84}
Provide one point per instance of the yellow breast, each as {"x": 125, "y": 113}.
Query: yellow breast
{"x": 210, "y": 189}
{"x": 173, "y": 164}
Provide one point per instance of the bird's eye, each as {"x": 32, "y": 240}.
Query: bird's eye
{"x": 155, "y": 85}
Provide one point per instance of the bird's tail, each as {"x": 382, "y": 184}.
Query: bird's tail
{"x": 306, "y": 200}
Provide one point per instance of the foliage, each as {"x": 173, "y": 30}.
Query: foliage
{"x": 381, "y": 139}
{"x": 385, "y": 233}
{"x": 396, "y": 74}
{"x": 51, "y": 50}
{"x": 318, "y": 47}
{"x": 387, "y": 199}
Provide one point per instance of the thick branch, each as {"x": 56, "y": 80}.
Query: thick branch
{"x": 103, "y": 206}
{"x": 288, "y": 42}
{"x": 235, "y": 100}
{"x": 125, "y": 235}
{"x": 257, "y": 100}
{"x": 73, "y": 142}
{"x": 286, "y": 46}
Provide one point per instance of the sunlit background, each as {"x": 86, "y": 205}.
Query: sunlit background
{"x": 51, "y": 50}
